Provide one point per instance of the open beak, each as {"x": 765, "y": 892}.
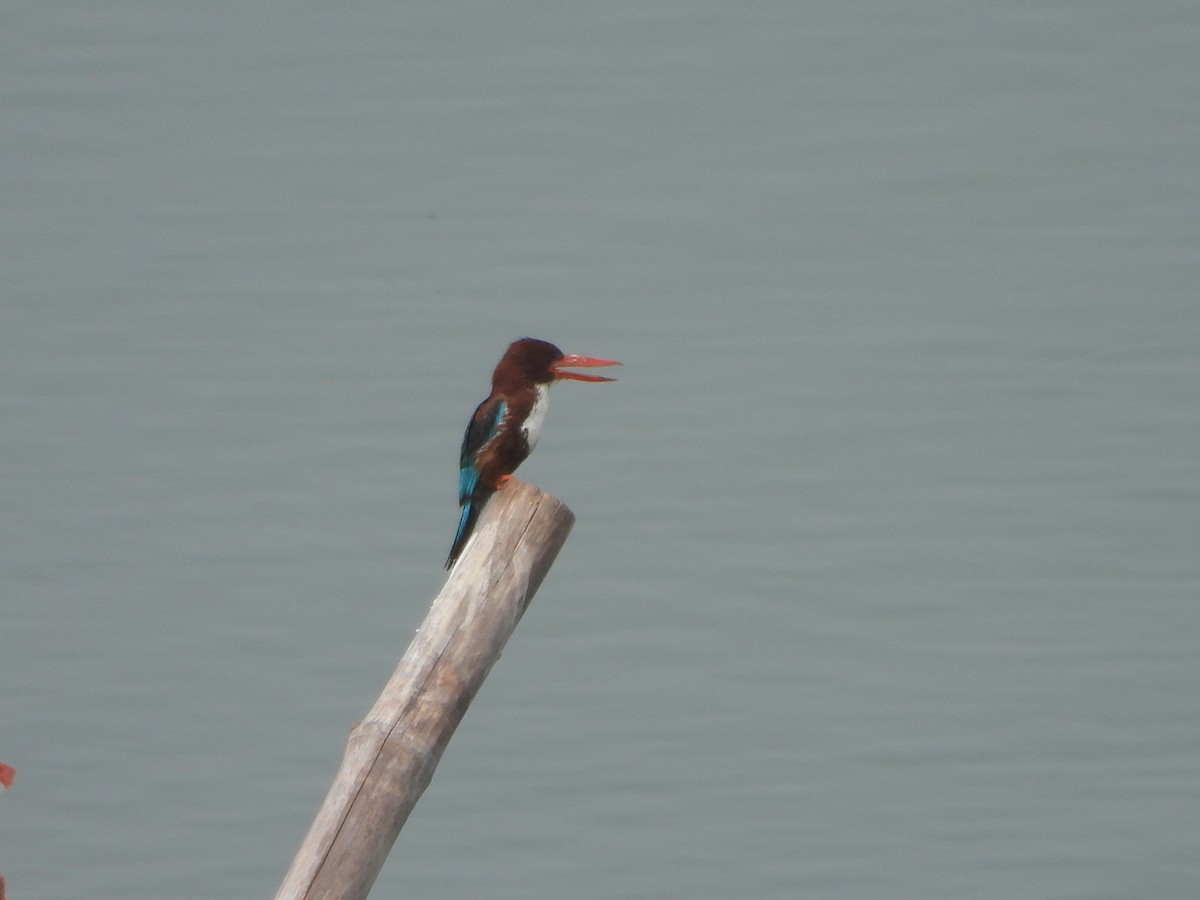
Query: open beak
{"x": 582, "y": 362}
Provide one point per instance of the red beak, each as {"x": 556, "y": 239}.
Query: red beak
{"x": 583, "y": 362}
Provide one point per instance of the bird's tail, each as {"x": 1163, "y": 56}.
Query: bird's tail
{"x": 466, "y": 524}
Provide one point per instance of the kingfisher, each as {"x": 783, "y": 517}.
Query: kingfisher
{"x": 506, "y": 426}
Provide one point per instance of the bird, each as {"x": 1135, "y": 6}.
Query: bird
{"x": 505, "y": 427}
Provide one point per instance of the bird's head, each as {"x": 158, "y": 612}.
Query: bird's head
{"x": 539, "y": 362}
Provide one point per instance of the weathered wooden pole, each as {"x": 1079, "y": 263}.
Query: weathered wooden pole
{"x": 392, "y": 753}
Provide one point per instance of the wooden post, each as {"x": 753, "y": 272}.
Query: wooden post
{"x": 392, "y": 753}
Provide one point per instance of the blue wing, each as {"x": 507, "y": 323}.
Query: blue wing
{"x": 482, "y": 428}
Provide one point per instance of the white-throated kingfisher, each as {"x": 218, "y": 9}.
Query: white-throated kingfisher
{"x": 505, "y": 427}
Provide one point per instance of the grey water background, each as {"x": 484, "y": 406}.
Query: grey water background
{"x": 886, "y": 571}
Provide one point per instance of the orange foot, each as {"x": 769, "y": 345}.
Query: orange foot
{"x": 503, "y": 480}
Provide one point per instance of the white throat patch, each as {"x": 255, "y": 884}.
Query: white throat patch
{"x": 532, "y": 429}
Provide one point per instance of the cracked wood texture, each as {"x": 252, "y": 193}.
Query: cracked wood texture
{"x": 391, "y": 755}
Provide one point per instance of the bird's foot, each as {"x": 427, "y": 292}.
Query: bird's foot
{"x": 503, "y": 480}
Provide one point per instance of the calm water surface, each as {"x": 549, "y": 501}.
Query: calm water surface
{"x": 885, "y": 577}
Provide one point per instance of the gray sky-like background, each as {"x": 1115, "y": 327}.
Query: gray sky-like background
{"x": 886, "y": 573}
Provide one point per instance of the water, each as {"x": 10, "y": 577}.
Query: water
{"x": 884, "y": 580}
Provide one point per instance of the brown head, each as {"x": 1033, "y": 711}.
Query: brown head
{"x": 530, "y": 361}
